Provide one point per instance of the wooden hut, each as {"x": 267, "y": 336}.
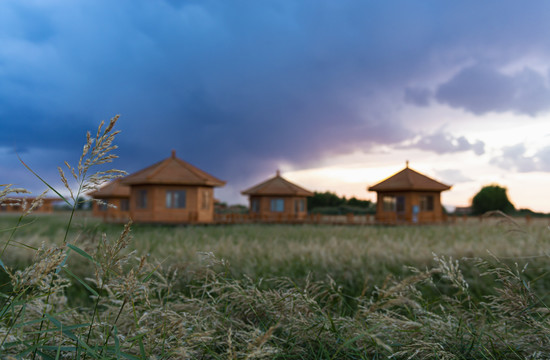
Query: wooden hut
{"x": 20, "y": 204}
{"x": 116, "y": 194}
{"x": 172, "y": 191}
{"x": 277, "y": 199}
{"x": 409, "y": 197}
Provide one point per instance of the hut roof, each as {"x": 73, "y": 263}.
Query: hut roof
{"x": 172, "y": 171}
{"x": 277, "y": 186}
{"x": 111, "y": 190}
{"x": 408, "y": 179}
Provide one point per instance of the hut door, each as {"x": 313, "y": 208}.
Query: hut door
{"x": 400, "y": 207}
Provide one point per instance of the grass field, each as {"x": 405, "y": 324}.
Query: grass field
{"x": 351, "y": 254}
{"x": 301, "y": 292}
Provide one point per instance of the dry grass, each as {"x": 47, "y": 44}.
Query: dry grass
{"x": 271, "y": 292}
{"x": 304, "y": 292}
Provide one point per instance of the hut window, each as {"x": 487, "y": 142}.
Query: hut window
{"x": 400, "y": 204}
{"x": 277, "y": 205}
{"x": 102, "y": 206}
{"x": 426, "y": 203}
{"x": 124, "y": 204}
{"x": 255, "y": 205}
{"x": 142, "y": 199}
{"x": 389, "y": 203}
{"x": 206, "y": 199}
{"x": 175, "y": 199}
{"x": 299, "y": 206}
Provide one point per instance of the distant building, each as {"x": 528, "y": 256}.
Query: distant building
{"x": 409, "y": 197}
{"x": 171, "y": 191}
{"x": 115, "y": 202}
{"x": 277, "y": 199}
{"x": 463, "y": 210}
{"x": 15, "y": 205}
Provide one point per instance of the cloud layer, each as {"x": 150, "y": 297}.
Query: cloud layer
{"x": 481, "y": 89}
{"x": 517, "y": 158}
{"x": 442, "y": 142}
{"x": 238, "y": 88}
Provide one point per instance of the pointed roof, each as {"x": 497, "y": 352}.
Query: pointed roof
{"x": 408, "y": 179}
{"x": 172, "y": 171}
{"x": 112, "y": 189}
{"x": 277, "y": 186}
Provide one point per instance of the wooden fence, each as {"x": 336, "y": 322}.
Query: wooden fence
{"x": 349, "y": 219}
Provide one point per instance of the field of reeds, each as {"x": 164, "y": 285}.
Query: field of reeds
{"x": 355, "y": 256}
{"x": 75, "y": 288}
{"x": 469, "y": 290}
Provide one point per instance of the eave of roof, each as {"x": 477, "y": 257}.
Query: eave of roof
{"x": 172, "y": 171}
{"x": 277, "y": 186}
{"x": 408, "y": 179}
{"x": 114, "y": 188}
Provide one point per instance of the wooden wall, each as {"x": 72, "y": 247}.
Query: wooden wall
{"x": 411, "y": 199}
{"x": 289, "y": 210}
{"x": 110, "y": 214}
{"x": 156, "y": 210}
{"x": 15, "y": 206}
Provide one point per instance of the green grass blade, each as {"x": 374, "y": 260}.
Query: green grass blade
{"x": 141, "y": 348}
{"x": 44, "y": 181}
{"x": 81, "y": 281}
{"x": 82, "y": 252}
{"x": 72, "y": 336}
{"x": 62, "y": 265}
{"x": 117, "y": 342}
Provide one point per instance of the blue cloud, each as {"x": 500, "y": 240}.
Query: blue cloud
{"x": 481, "y": 89}
{"x": 237, "y": 87}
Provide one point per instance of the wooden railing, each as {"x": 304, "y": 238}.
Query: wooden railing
{"x": 349, "y": 219}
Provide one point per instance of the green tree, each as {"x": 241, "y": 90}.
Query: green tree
{"x": 490, "y": 198}
{"x": 324, "y": 199}
{"x": 360, "y": 203}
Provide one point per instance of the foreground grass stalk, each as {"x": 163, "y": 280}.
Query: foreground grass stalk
{"x": 113, "y": 326}
{"x": 94, "y": 314}
{"x": 95, "y": 152}
{"x": 13, "y": 323}
{"x": 11, "y": 236}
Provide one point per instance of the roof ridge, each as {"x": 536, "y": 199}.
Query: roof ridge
{"x": 161, "y": 165}
{"x": 287, "y": 187}
{"x": 186, "y": 173}
{"x": 203, "y": 175}
{"x": 290, "y": 186}
{"x": 409, "y": 175}
{"x": 409, "y": 179}
{"x": 254, "y": 187}
{"x": 294, "y": 186}
{"x": 143, "y": 170}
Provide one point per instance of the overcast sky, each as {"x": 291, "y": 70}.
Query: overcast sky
{"x": 336, "y": 94}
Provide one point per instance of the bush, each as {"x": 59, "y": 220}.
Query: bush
{"x": 491, "y": 198}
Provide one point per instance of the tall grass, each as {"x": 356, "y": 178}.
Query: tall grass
{"x": 272, "y": 292}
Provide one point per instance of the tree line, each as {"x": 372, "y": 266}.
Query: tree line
{"x": 489, "y": 198}
{"x": 328, "y": 203}
{"x": 494, "y": 198}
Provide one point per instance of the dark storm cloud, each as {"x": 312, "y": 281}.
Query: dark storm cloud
{"x": 481, "y": 89}
{"x": 443, "y": 143}
{"x": 240, "y": 87}
{"x": 516, "y": 158}
{"x": 418, "y": 96}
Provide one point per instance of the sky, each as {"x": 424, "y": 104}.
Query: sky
{"x": 336, "y": 94}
